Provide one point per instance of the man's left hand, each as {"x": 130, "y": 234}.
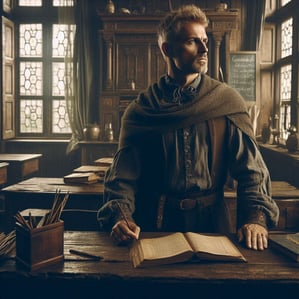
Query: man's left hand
{"x": 254, "y": 235}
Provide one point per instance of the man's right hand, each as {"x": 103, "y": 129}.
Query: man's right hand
{"x": 122, "y": 234}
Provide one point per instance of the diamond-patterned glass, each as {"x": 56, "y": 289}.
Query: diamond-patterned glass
{"x": 62, "y": 42}
{"x": 285, "y": 82}
{"x": 31, "y": 112}
{"x": 58, "y": 79}
{"x": 31, "y": 40}
{"x": 60, "y": 119}
{"x": 286, "y": 38}
{"x": 31, "y": 82}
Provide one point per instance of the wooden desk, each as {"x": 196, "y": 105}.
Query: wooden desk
{"x": 38, "y": 193}
{"x": 3, "y": 173}
{"x": 267, "y": 272}
{"x": 287, "y": 199}
{"x": 282, "y": 164}
{"x": 21, "y": 166}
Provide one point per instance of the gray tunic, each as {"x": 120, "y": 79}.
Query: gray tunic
{"x": 177, "y": 160}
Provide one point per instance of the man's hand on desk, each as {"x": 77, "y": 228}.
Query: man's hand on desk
{"x": 122, "y": 234}
{"x": 254, "y": 235}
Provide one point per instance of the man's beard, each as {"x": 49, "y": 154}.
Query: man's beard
{"x": 201, "y": 66}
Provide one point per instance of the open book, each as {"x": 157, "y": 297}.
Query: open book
{"x": 183, "y": 247}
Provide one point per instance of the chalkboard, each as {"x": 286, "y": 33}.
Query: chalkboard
{"x": 242, "y": 74}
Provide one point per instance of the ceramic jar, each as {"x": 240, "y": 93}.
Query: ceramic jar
{"x": 110, "y": 7}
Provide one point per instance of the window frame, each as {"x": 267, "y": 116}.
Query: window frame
{"x": 280, "y": 15}
{"x": 47, "y": 15}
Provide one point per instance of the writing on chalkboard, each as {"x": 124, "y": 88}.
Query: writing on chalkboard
{"x": 242, "y": 74}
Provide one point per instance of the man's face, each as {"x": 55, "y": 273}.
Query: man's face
{"x": 189, "y": 50}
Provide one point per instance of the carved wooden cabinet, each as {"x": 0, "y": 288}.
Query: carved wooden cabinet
{"x": 131, "y": 59}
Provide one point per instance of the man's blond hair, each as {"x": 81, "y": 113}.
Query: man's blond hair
{"x": 171, "y": 24}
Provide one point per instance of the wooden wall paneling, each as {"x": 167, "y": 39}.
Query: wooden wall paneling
{"x": 133, "y": 59}
{"x": 132, "y": 63}
{"x": 157, "y": 63}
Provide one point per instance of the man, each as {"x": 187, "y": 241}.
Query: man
{"x": 179, "y": 139}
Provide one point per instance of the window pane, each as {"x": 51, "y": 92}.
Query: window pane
{"x": 60, "y": 119}
{"x": 286, "y": 38}
{"x": 58, "y": 79}
{"x": 31, "y": 43}
{"x": 285, "y": 119}
{"x": 285, "y": 83}
{"x": 31, "y": 78}
{"x": 31, "y": 116}
{"x": 63, "y": 37}
{"x": 63, "y": 2}
{"x": 30, "y": 2}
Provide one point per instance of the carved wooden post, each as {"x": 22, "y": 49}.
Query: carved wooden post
{"x": 222, "y": 22}
{"x": 109, "y": 50}
{"x": 217, "y": 38}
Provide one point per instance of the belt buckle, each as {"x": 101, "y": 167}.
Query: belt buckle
{"x": 187, "y": 204}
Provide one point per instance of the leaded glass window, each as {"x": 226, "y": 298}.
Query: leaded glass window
{"x": 42, "y": 50}
{"x": 31, "y": 40}
{"x": 285, "y": 99}
{"x": 31, "y": 116}
{"x": 285, "y": 82}
{"x": 286, "y": 38}
{"x": 31, "y": 81}
{"x": 60, "y": 117}
{"x": 62, "y": 42}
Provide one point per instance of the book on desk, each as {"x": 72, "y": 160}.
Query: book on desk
{"x": 87, "y": 174}
{"x": 81, "y": 178}
{"x": 286, "y": 243}
{"x": 183, "y": 247}
{"x": 105, "y": 161}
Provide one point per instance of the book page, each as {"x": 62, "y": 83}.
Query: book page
{"x": 163, "y": 247}
{"x": 217, "y": 245}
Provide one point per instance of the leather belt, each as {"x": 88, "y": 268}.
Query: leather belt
{"x": 201, "y": 202}
{"x": 198, "y": 201}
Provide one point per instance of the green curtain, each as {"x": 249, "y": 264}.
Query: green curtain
{"x": 82, "y": 70}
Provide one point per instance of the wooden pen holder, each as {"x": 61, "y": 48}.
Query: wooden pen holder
{"x": 39, "y": 247}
